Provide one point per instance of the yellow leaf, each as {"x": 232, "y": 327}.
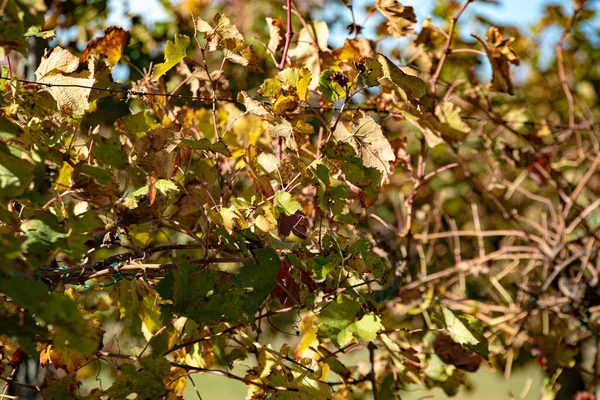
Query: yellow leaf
{"x": 64, "y": 178}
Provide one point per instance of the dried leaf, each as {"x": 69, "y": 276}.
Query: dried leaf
{"x": 111, "y": 45}
{"x": 275, "y": 35}
{"x": 368, "y": 141}
{"x": 400, "y": 18}
{"x": 254, "y": 107}
{"x": 500, "y": 55}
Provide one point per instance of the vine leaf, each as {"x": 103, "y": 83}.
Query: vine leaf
{"x": 331, "y": 89}
{"x": 368, "y": 141}
{"x": 174, "y": 52}
{"x": 146, "y": 382}
{"x": 275, "y": 35}
{"x": 15, "y": 175}
{"x": 297, "y": 79}
{"x": 453, "y": 353}
{"x": 337, "y": 321}
{"x": 60, "y": 68}
{"x": 282, "y": 128}
{"x": 401, "y": 19}
{"x": 38, "y": 32}
{"x": 226, "y": 37}
{"x": 111, "y": 45}
{"x": 257, "y": 280}
{"x": 451, "y": 125}
{"x": 254, "y": 107}
{"x": 410, "y": 87}
{"x": 65, "y": 358}
{"x": 287, "y": 203}
{"x": 500, "y": 55}
{"x": 467, "y": 332}
{"x": 373, "y": 72}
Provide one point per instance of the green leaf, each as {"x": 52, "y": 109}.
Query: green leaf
{"x": 287, "y": 203}
{"x": 336, "y": 317}
{"x": 369, "y": 143}
{"x": 43, "y": 235}
{"x": 15, "y": 175}
{"x": 101, "y": 175}
{"x": 271, "y": 87}
{"x": 409, "y": 87}
{"x": 257, "y": 280}
{"x": 467, "y": 332}
{"x": 205, "y": 144}
{"x": 70, "y": 329}
{"x": 110, "y": 151}
{"x": 137, "y": 124}
{"x": 204, "y": 296}
{"x": 174, "y": 52}
{"x": 367, "y": 327}
{"x": 37, "y": 31}
{"x": 373, "y": 72}
{"x": 147, "y": 382}
{"x": 331, "y": 89}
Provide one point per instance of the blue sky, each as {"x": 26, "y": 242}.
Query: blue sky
{"x": 522, "y": 13}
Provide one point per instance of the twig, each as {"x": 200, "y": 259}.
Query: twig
{"x": 234, "y": 377}
{"x": 447, "y": 50}
{"x": 288, "y": 35}
{"x": 561, "y": 64}
{"x": 371, "y": 346}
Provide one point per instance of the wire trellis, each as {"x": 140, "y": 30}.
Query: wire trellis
{"x": 129, "y": 91}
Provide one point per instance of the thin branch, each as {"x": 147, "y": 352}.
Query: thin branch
{"x": 371, "y": 346}
{"x": 234, "y": 377}
{"x": 288, "y": 35}
{"x": 561, "y": 64}
{"x": 447, "y": 50}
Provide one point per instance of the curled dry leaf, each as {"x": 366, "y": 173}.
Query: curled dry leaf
{"x": 500, "y": 55}
{"x": 111, "y": 45}
{"x": 401, "y": 19}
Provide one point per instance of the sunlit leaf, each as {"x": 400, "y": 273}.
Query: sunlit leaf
{"x": 287, "y": 203}
{"x": 409, "y": 86}
{"x": 174, "y": 52}
{"x": 466, "y": 332}
{"x": 369, "y": 143}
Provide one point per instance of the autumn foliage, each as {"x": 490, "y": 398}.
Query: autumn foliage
{"x": 315, "y": 219}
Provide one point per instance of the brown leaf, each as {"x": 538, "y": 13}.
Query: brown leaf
{"x": 275, "y": 34}
{"x": 500, "y": 55}
{"x": 295, "y": 223}
{"x": 66, "y": 359}
{"x": 111, "y": 45}
{"x": 400, "y": 18}
{"x": 453, "y": 353}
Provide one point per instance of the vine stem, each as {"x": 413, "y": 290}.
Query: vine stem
{"x": 234, "y": 377}
{"x": 561, "y": 65}
{"x": 372, "y": 377}
{"x": 447, "y": 50}
{"x": 288, "y": 35}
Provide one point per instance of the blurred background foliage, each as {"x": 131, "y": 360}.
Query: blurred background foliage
{"x": 491, "y": 210}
